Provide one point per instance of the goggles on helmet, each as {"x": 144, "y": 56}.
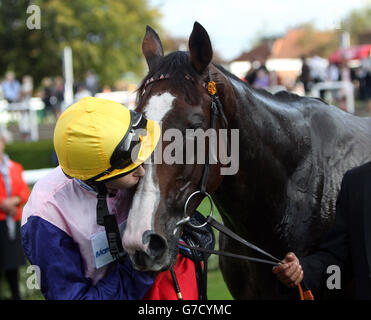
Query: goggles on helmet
{"x": 127, "y": 150}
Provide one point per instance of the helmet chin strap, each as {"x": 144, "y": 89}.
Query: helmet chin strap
{"x": 109, "y": 222}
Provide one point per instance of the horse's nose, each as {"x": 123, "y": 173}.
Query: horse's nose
{"x": 150, "y": 259}
{"x": 156, "y": 244}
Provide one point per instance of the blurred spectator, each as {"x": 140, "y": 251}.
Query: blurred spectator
{"x": 106, "y": 89}
{"x": 360, "y": 75}
{"x": 366, "y": 66}
{"x": 48, "y": 97}
{"x": 251, "y": 74}
{"x": 304, "y": 77}
{"x": 258, "y": 76}
{"x": 318, "y": 72}
{"x": 11, "y": 87}
{"x": 345, "y": 76}
{"x": 59, "y": 94}
{"x": 82, "y": 92}
{"x": 91, "y": 82}
{"x": 13, "y": 194}
{"x": 25, "y": 97}
{"x": 26, "y": 88}
{"x": 53, "y": 96}
{"x": 318, "y": 69}
{"x": 333, "y": 73}
{"x": 262, "y": 79}
{"x": 1, "y": 93}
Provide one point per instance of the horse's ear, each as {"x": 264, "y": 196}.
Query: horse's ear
{"x": 152, "y": 48}
{"x": 200, "y": 48}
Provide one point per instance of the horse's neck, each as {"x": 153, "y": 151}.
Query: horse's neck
{"x": 270, "y": 149}
{"x": 269, "y": 135}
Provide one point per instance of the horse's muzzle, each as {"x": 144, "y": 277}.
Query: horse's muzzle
{"x": 155, "y": 257}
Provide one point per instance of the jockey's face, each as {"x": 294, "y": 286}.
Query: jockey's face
{"x": 128, "y": 181}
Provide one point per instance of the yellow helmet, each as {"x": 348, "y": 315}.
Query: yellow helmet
{"x": 97, "y": 139}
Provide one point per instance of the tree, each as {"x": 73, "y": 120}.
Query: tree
{"x": 357, "y": 22}
{"x": 105, "y": 36}
{"x": 315, "y": 42}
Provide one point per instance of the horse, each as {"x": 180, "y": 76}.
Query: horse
{"x": 293, "y": 153}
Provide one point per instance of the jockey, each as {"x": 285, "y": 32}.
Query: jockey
{"x": 69, "y": 213}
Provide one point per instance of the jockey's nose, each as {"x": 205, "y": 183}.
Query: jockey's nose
{"x": 139, "y": 172}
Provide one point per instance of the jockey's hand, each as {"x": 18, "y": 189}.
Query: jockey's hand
{"x": 289, "y": 272}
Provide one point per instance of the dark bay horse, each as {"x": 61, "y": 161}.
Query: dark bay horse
{"x": 293, "y": 152}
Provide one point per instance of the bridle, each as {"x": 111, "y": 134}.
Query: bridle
{"x": 217, "y": 113}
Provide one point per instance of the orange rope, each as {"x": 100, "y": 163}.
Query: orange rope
{"x": 305, "y": 295}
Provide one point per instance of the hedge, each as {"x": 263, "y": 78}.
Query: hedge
{"x": 32, "y": 155}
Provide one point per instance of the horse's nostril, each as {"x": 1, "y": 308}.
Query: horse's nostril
{"x": 157, "y": 245}
{"x": 152, "y": 255}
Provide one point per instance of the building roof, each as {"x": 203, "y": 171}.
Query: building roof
{"x": 301, "y": 42}
{"x": 261, "y": 52}
{"x": 295, "y": 44}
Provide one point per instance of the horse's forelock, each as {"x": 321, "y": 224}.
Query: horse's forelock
{"x": 177, "y": 68}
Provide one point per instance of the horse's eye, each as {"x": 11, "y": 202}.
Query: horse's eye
{"x": 198, "y": 125}
{"x": 196, "y": 121}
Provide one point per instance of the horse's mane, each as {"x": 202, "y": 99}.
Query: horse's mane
{"x": 282, "y": 96}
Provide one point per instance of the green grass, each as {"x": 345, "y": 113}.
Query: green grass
{"x": 26, "y": 294}
{"x": 216, "y": 287}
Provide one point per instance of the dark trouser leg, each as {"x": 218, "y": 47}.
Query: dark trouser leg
{"x": 12, "y": 278}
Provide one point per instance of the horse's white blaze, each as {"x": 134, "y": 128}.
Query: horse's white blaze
{"x": 142, "y": 212}
{"x": 158, "y": 106}
{"x": 147, "y": 196}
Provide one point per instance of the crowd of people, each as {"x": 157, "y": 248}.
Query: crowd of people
{"x": 259, "y": 77}
{"x": 315, "y": 70}
{"x": 14, "y": 91}
{"x": 51, "y": 92}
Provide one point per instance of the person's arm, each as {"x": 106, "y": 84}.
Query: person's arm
{"x": 61, "y": 267}
{"x": 334, "y": 250}
{"x": 9, "y": 205}
{"x": 20, "y": 193}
